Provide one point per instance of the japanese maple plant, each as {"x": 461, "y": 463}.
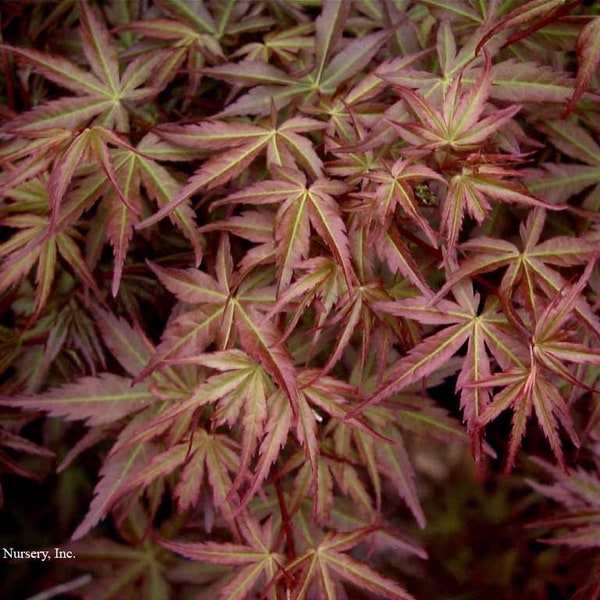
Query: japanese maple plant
{"x": 281, "y": 279}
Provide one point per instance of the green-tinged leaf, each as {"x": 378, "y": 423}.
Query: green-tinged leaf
{"x": 250, "y": 72}
{"x": 574, "y": 141}
{"x": 329, "y": 27}
{"x": 528, "y": 390}
{"x": 277, "y": 429}
{"x": 114, "y": 474}
{"x": 400, "y": 260}
{"x": 212, "y": 173}
{"x": 259, "y": 100}
{"x": 95, "y": 400}
{"x": 190, "y": 285}
{"x": 351, "y": 60}
{"x": 326, "y": 219}
{"x": 579, "y": 493}
{"x": 257, "y": 559}
{"x": 161, "y": 465}
{"x": 100, "y": 53}
{"x": 162, "y": 187}
{"x": 328, "y": 562}
{"x": 393, "y": 462}
{"x": 120, "y": 217}
{"x": 200, "y": 18}
{"x": 44, "y": 277}
{"x": 187, "y": 335}
{"x": 292, "y": 237}
{"x": 529, "y": 82}
{"x": 262, "y": 342}
{"x": 60, "y": 71}
{"x": 129, "y": 345}
{"x": 421, "y": 361}
{"x": 523, "y": 14}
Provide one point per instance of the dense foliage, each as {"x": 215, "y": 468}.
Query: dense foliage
{"x": 273, "y": 275}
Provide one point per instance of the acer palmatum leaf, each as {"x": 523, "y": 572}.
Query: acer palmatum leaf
{"x": 114, "y": 474}
{"x": 328, "y": 563}
{"x": 588, "y": 54}
{"x": 241, "y": 143}
{"x": 458, "y": 124}
{"x": 95, "y": 400}
{"x": 256, "y": 561}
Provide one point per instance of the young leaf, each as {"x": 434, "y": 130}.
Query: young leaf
{"x": 329, "y": 562}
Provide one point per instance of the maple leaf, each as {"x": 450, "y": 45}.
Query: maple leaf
{"x": 387, "y": 458}
{"x": 326, "y": 565}
{"x": 468, "y": 192}
{"x": 528, "y": 390}
{"x": 579, "y": 493}
{"x": 65, "y": 337}
{"x": 213, "y": 454}
{"x": 265, "y": 366}
{"x": 285, "y": 44}
{"x": 105, "y": 400}
{"x": 355, "y": 308}
{"x": 102, "y": 94}
{"x": 132, "y": 562}
{"x": 182, "y": 40}
{"x": 465, "y": 323}
{"x": 529, "y": 387}
{"x": 239, "y": 393}
{"x": 326, "y": 73}
{"x": 325, "y": 289}
{"x": 129, "y": 345}
{"x": 399, "y": 257}
{"x": 458, "y": 125}
{"x": 243, "y": 143}
{"x": 28, "y": 159}
{"x": 255, "y": 226}
{"x": 320, "y": 487}
{"x": 35, "y": 244}
{"x": 535, "y": 14}
{"x": 223, "y": 306}
{"x": 124, "y": 170}
{"x": 218, "y": 20}
{"x": 529, "y": 81}
{"x": 114, "y": 475}
{"x": 558, "y": 181}
{"x": 588, "y": 54}
{"x": 134, "y": 170}
{"x": 302, "y": 206}
{"x": 395, "y": 188}
{"x": 91, "y": 141}
{"x": 322, "y": 286}
{"x": 529, "y": 268}
{"x": 97, "y": 400}
{"x": 312, "y": 398}
{"x": 256, "y": 562}
{"x": 550, "y": 340}
{"x": 403, "y": 73}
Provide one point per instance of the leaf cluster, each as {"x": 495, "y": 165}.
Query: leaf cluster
{"x": 245, "y": 244}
